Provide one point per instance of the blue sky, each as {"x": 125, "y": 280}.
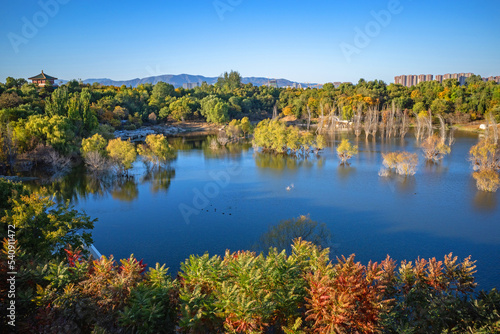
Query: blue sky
{"x": 313, "y": 41}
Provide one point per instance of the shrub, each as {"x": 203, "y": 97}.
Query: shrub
{"x": 429, "y": 296}
{"x": 275, "y": 137}
{"x": 245, "y": 292}
{"x": 44, "y": 227}
{"x": 123, "y": 153}
{"x": 485, "y": 155}
{"x": 404, "y": 163}
{"x": 487, "y": 180}
{"x": 434, "y": 148}
{"x": 346, "y": 298}
{"x": 156, "y": 150}
{"x": 485, "y": 158}
{"x": 152, "y": 307}
{"x": 96, "y": 143}
{"x": 346, "y": 151}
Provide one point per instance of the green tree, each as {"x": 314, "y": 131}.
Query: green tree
{"x": 10, "y": 82}
{"x": 160, "y": 91}
{"x": 181, "y": 109}
{"x": 419, "y": 107}
{"x": 214, "y": 109}
{"x": 58, "y": 102}
{"x": 44, "y": 227}
{"x": 229, "y": 81}
{"x": 123, "y": 153}
{"x": 56, "y": 131}
{"x": 346, "y": 151}
{"x": 156, "y": 150}
{"x": 10, "y": 100}
{"x": 96, "y": 143}
{"x": 94, "y": 153}
{"x": 80, "y": 114}
{"x": 246, "y": 126}
{"x": 440, "y": 106}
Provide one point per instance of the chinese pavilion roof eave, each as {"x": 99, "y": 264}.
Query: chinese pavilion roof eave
{"x": 42, "y": 76}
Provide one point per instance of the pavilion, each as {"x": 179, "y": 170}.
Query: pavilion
{"x": 43, "y": 79}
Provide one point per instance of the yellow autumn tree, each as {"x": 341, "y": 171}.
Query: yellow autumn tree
{"x": 122, "y": 153}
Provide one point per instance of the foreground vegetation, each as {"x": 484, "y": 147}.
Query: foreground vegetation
{"x": 61, "y": 290}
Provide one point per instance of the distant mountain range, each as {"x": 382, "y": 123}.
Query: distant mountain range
{"x": 180, "y": 79}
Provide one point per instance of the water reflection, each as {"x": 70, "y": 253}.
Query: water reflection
{"x": 485, "y": 201}
{"x": 180, "y": 143}
{"x": 405, "y": 185}
{"x": 344, "y": 171}
{"x": 79, "y": 185}
{"x": 126, "y": 192}
{"x": 282, "y": 235}
{"x": 370, "y": 149}
{"x": 282, "y": 162}
{"x": 159, "y": 178}
{"x": 231, "y": 150}
{"x": 273, "y": 161}
{"x": 432, "y": 166}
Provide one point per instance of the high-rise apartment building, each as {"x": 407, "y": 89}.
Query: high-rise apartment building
{"x": 412, "y": 80}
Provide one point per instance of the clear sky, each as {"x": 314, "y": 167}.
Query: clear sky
{"x": 305, "y": 41}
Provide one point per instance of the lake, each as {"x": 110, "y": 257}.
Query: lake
{"x": 212, "y": 201}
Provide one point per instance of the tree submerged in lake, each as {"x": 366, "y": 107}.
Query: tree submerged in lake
{"x": 485, "y": 159}
{"x": 346, "y": 151}
{"x": 403, "y": 163}
{"x": 275, "y": 137}
{"x": 435, "y": 147}
{"x": 156, "y": 152}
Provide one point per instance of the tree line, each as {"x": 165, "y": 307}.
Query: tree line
{"x": 34, "y": 121}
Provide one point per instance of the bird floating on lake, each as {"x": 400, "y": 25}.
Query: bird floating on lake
{"x": 290, "y": 187}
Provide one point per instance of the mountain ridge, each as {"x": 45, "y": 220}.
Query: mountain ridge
{"x": 178, "y": 80}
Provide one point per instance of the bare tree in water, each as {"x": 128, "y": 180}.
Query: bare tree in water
{"x": 405, "y": 122}
{"x": 357, "y": 121}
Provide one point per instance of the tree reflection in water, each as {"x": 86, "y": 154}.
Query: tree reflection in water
{"x": 405, "y": 185}
{"x": 79, "y": 185}
{"x": 230, "y": 150}
{"x": 126, "y": 190}
{"x": 485, "y": 201}
{"x": 159, "y": 178}
{"x": 273, "y": 161}
{"x": 344, "y": 171}
{"x": 282, "y": 235}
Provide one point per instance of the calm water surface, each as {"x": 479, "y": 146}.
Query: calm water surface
{"x": 213, "y": 201}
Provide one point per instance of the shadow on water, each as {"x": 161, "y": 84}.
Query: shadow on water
{"x": 281, "y": 236}
{"x": 405, "y": 185}
{"x": 435, "y": 167}
{"x": 344, "y": 171}
{"x": 485, "y": 201}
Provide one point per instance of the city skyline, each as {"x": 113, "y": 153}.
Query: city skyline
{"x": 413, "y": 79}
{"x": 321, "y": 42}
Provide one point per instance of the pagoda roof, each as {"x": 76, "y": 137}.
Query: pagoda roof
{"x": 42, "y": 76}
